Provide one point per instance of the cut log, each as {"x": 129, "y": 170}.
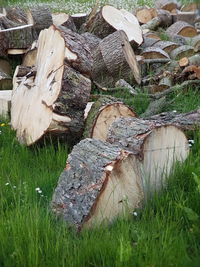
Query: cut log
{"x": 193, "y": 60}
{"x": 145, "y": 14}
{"x": 114, "y": 59}
{"x": 196, "y": 43}
{"x": 188, "y": 17}
{"x": 163, "y": 19}
{"x": 79, "y": 19}
{"x": 167, "y": 46}
{"x": 18, "y": 38}
{"x": 110, "y": 19}
{"x": 154, "y": 53}
{"x": 182, "y": 51}
{"x": 51, "y": 98}
{"x": 17, "y": 15}
{"x": 166, "y": 4}
{"x": 91, "y": 40}
{"x": 152, "y": 35}
{"x": 148, "y": 42}
{"x": 101, "y": 115}
{"x": 63, "y": 19}
{"x": 99, "y": 183}
{"x": 189, "y": 7}
{"x": 155, "y": 107}
{"x": 40, "y": 17}
{"x": 181, "y": 40}
{"x": 181, "y": 28}
{"x": 123, "y": 84}
{"x": 5, "y": 103}
{"x": 158, "y": 147}
{"x": 185, "y": 121}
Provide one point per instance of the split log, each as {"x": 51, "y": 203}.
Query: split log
{"x": 154, "y": 53}
{"x": 181, "y": 28}
{"x": 63, "y": 19}
{"x": 182, "y": 51}
{"x": 156, "y": 146}
{"x": 5, "y": 103}
{"x": 101, "y": 115}
{"x": 113, "y": 59}
{"x": 99, "y": 183}
{"x": 30, "y": 56}
{"x": 18, "y": 38}
{"x": 167, "y": 46}
{"x": 110, "y": 19}
{"x": 79, "y": 19}
{"x": 166, "y": 4}
{"x": 185, "y": 121}
{"x": 52, "y": 89}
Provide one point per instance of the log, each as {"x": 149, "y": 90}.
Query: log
{"x": 166, "y": 4}
{"x": 167, "y": 46}
{"x": 163, "y": 19}
{"x": 181, "y": 28}
{"x": 101, "y": 115}
{"x": 152, "y": 35}
{"x": 180, "y": 40}
{"x": 148, "y": 42}
{"x": 113, "y": 59}
{"x": 63, "y": 19}
{"x": 99, "y": 183}
{"x": 30, "y": 56}
{"x": 196, "y": 43}
{"x": 40, "y": 17}
{"x": 5, "y": 103}
{"x": 188, "y": 17}
{"x": 18, "y": 38}
{"x": 123, "y": 84}
{"x": 91, "y": 40}
{"x": 79, "y": 19}
{"x": 52, "y": 89}
{"x": 5, "y": 75}
{"x": 145, "y": 14}
{"x": 154, "y": 53}
{"x": 193, "y": 60}
{"x": 110, "y": 19}
{"x": 155, "y": 107}
{"x": 17, "y": 15}
{"x": 156, "y": 146}
{"x": 189, "y": 7}
{"x": 185, "y": 121}
{"x": 182, "y": 51}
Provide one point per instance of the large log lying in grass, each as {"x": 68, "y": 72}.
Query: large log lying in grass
{"x": 114, "y": 59}
{"x": 110, "y": 19}
{"x": 51, "y": 97}
{"x": 157, "y": 146}
{"x": 101, "y": 115}
{"x": 100, "y": 182}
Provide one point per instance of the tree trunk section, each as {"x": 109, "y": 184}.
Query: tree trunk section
{"x": 99, "y": 183}
{"x": 181, "y": 28}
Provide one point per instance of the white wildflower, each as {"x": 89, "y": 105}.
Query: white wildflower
{"x": 14, "y": 186}
{"x": 135, "y": 213}
{"x": 7, "y": 184}
{"x": 37, "y": 189}
{"x": 191, "y": 141}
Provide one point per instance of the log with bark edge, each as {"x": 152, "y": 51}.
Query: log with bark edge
{"x": 5, "y": 103}
{"x": 148, "y": 42}
{"x": 181, "y": 28}
{"x": 92, "y": 40}
{"x": 182, "y": 51}
{"x": 152, "y": 34}
{"x": 79, "y": 19}
{"x": 5, "y": 75}
{"x": 166, "y": 4}
{"x": 110, "y": 19}
{"x": 101, "y": 115}
{"x": 163, "y": 19}
{"x": 51, "y": 97}
{"x": 99, "y": 183}
{"x": 30, "y": 56}
{"x": 63, "y": 19}
{"x": 154, "y": 53}
{"x": 193, "y": 60}
{"x": 113, "y": 59}
{"x": 145, "y": 14}
{"x": 17, "y": 15}
{"x": 16, "y": 38}
{"x": 189, "y": 7}
{"x": 167, "y": 46}
{"x": 157, "y": 146}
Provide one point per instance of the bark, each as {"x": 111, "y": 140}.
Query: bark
{"x": 155, "y": 107}
{"x": 17, "y": 15}
{"x": 182, "y": 51}
{"x": 156, "y": 146}
{"x": 29, "y": 58}
{"x": 99, "y": 183}
{"x": 167, "y": 46}
{"x": 189, "y": 7}
{"x": 114, "y": 59}
{"x": 163, "y": 19}
{"x": 196, "y": 43}
{"x": 148, "y": 42}
{"x": 63, "y": 19}
{"x": 53, "y": 89}
{"x": 181, "y": 28}
{"x": 166, "y": 4}
{"x": 154, "y": 53}
{"x": 79, "y": 19}
{"x": 5, "y": 103}
{"x": 91, "y": 40}
{"x": 101, "y": 115}
{"x": 188, "y": 17}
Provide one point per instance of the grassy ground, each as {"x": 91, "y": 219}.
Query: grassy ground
{"x": 165, "y": 233}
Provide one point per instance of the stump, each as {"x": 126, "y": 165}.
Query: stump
{"x": 157, "y": 146}
{"x": 114, "y": 59}
{"x": 99, "y": 183}
{"x": 51, "y": 97}
{"x": 101, "y": 115}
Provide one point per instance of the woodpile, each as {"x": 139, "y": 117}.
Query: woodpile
{"x": 66, "y": 67}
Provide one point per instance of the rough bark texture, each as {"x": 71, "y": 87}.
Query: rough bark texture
{"x": 114, "y": 59}
{"x": 89, "y": 191}
{"x": 188, "y": 17}
{"x": 182, "y": 51}
{"x": 181, "y": 28}
{"x": 196, "y": 43}
{"x": 167, "y": 46}
{"x": 91, "y": 40}
{"x": 154, "y": 53}
{"x": 79, "y": 19}
{"x": 101, "y": 115}
{"x": 157, "y": 146}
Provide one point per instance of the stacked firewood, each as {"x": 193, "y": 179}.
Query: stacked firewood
{"x": 123, "y": 159}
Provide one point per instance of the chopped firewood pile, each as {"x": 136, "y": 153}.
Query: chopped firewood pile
{"x": 118, "y": 159}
